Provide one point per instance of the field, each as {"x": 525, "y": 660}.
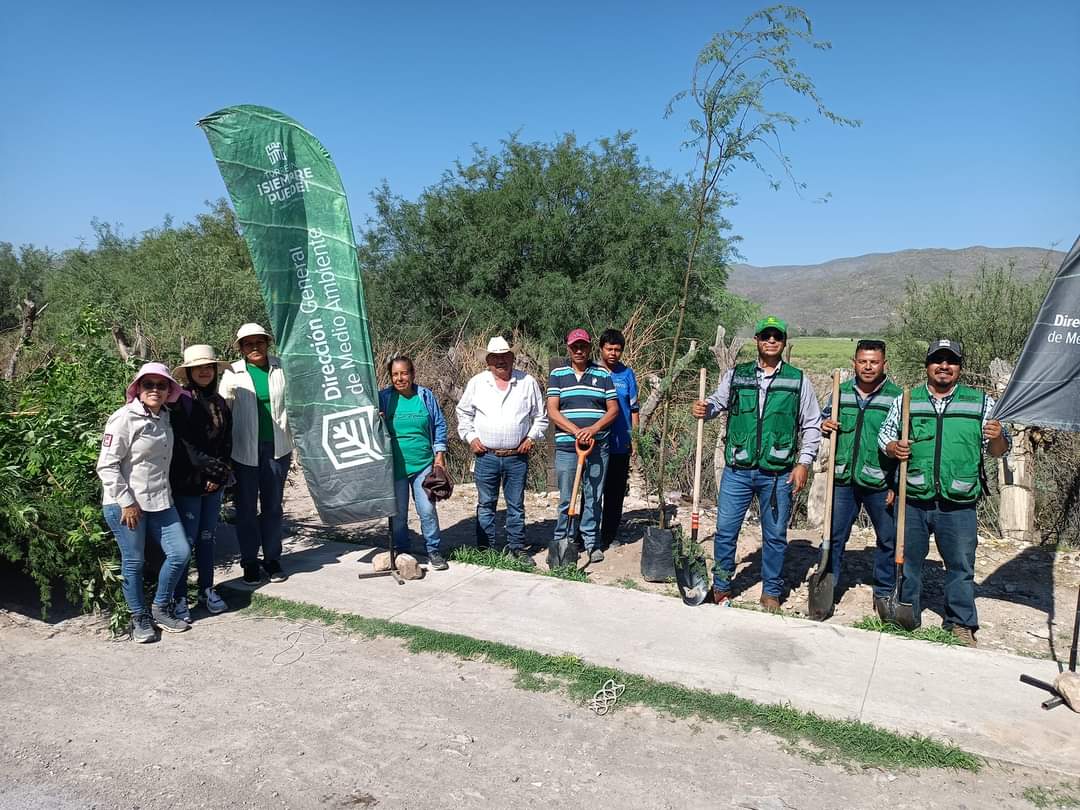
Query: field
{"x": 816, "y": 354}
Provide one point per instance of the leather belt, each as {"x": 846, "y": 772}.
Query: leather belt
{"x": 504, "y": 453}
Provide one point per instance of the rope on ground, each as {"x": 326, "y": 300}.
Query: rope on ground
{"x": 606, "y": 696}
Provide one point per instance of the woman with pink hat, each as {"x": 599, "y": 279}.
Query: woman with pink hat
{"x": 133, "y": 465}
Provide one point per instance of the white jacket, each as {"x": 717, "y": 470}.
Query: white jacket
{"x": 238, "y": 390}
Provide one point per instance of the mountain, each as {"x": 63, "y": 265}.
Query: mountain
{"x": 860, "y": 294}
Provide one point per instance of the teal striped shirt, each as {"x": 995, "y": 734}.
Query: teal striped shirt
{"x": 583, "y": 402}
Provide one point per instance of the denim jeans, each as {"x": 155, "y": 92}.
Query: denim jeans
{"x": 165, "y": 529}
{"x": 511, "y": 472}
{"x": 263, "y": 486}
{"x": 425, "y": 509}
{"x": 199, "y": 516}
{"x": 956, "y": 532}
{"x": 618, "y": 471}
{"x": 737, "y": 489}
{"x": 847, "y": 500}
{"x": 592, "y": 490}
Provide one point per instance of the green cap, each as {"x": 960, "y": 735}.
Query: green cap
{"x": 771, "y": 322}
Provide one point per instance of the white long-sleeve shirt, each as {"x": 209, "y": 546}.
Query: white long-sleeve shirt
{"x": 133, "y": 465}
{"x": 237, "y": 389}
{"x": 502, "y": 419}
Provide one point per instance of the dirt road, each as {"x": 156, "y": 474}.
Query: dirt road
{"x": 246, "y": 712}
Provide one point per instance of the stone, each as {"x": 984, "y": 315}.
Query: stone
{"x": 381, "y": 561}
{"x": 407, "y": 565}
{"x": 1068, "y": 686}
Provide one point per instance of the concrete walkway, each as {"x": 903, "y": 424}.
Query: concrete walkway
{"x": 970, "y": 697}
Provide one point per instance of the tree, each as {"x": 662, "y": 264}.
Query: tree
{"x": 732, "y": 83}
{"x": 539, "y": 238}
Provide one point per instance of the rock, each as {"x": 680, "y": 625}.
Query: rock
{"x": 1068, "y": 686}
{"x": 407, "y": 565}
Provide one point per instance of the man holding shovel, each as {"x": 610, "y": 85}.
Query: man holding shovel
{"x": 581, "y": 403}
{"x": 773, "y": 433}
{"x": 863, "y": 473}
{"x": 950, "y": 429}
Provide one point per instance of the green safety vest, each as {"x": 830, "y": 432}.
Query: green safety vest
{"x": 946, "y": 448}
{"x": 768, "y": 441}
{"x": 858, "y": 458}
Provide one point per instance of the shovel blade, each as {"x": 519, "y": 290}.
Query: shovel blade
{"x": 692, "y": 579}
{"x": 822, "y": 590}
{"x": 562, "y": 552}
{"x": 891, "y": 609}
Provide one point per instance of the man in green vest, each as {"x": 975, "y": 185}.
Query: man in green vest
{"x": 950, "y": 429}
{"x": 773, "y": 433}
{"x": 863, "y": 473}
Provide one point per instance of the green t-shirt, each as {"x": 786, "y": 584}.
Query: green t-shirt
{"x": 260, "y": 378}
{"x": 410, "y": 429}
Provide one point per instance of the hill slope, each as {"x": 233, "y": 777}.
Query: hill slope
{"x": 860, "y": 294}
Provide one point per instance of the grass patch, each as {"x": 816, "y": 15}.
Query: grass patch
{"x": 490, "y": 558}
{"x": 1067, "y": 794}
{"x": 629, "y": 583}
{"x": 934, "y": 634}
{"x": 844, "y": 740}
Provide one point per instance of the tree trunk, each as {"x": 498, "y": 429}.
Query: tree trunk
{"x": 30, "y": 313}
{"x": 1016, "y": 473}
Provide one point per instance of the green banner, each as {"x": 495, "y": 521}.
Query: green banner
{"x": 295, "y": 219}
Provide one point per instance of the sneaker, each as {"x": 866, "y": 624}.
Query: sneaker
{"x": 770, "y": 604}
{"x": 252, "y": 573}
{"x": 596, "y": 555}
{"x": 273, "y": 568}
{"x": 965, "y": 635}
{"x": 142, "y": 629}
{"x": 163, "y": 616}
{"x": 522, "y": 556}
{"x": 181, "y": 610}
{"x": 436, "y": 561}
{"x": 214, "y": 603}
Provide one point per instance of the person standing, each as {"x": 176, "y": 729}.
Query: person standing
{"x": 201, "y": 467}
{"x": 773, "y": 434}
{"x": 418, "y": 440}
{"x": 137, "y": 502}
{"x": 863, "y": 473}
{"x": 581, "y": 402}
{"x": 501, "y": 416}
{"x": 950, "y": 429}
{"x": 620, "y": 437}
{"x": 254, "y": 389}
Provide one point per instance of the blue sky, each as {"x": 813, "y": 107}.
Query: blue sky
{"x": 970, "y": 110}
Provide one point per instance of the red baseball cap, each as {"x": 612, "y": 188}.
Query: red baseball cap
{"x": 576, "y": 335}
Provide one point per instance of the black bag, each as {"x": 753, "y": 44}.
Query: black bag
{"x": 656, "y": 555}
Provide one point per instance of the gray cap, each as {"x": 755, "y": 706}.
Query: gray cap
{"x": 953, "y": 347}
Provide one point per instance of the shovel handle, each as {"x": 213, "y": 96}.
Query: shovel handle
{"x": 830, "y": 479}
{"x": 694, "y": 516}
{"x": 901, "y": 494}
{"x": 583, "y": 449}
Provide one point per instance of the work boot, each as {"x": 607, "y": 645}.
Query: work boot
{"x": 965, "y": 635}
{"x": 142, "y": 629}
{"x": 163, "y": 616}
{"x": 274, "y": 570}
{"x": 721, "y": 598}
{"x": 252, "y": 573}
{"x": 770, "y": 604}
{"x": 436, "y": 561}
{"x": 596, "y": 556}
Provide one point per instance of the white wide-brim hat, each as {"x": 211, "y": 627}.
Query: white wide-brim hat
{"x": 198, "y": 355}
{"x": 498, "y": 345}
{"x": 250, "y": 330}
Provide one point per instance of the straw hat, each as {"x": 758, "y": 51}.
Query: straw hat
{"x": 198, "y": 355}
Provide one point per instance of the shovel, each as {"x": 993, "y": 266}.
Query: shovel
{"x": 890, "y": 608}
{"x": 564, "y": 551}
{"x": 822, "y": 585}
{"x": 691, "y": 575}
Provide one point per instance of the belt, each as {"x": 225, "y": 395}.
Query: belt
{"x": 504, "y": 453}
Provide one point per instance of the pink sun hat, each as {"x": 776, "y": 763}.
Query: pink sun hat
{"x": 159, "y": 370}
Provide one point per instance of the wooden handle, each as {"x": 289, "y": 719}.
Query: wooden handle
{"x": 901, "y": 495}
{"x": 697, "y": 458}
{"x": 582, "y": 454}
{"x": 830, "y": 476}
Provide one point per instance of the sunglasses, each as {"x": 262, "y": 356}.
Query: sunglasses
{"x": 150, "y": 385}
{"x": 766, "y": 337}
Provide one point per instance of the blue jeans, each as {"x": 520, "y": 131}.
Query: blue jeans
{"x": 165, "y": 529}
{"x": 199, "y": 516}
{"x": 262, "y": 486}
{"x": 425, "y": 509}
{"x": 592, "y": 491}
{"x": 847, "y": 500}
{"x": 511, "y": 472}
{"x": 737, "y": 489}
{"x": 956, "y": 532}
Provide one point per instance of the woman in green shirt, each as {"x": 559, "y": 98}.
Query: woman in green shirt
{"x": 418, "y": 440}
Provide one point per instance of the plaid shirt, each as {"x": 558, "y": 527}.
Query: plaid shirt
{"x": 501, "y": 419}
